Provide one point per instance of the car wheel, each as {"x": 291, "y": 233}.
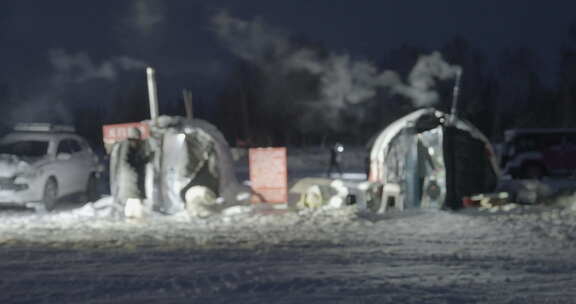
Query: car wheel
{"x": 50, "y": 194}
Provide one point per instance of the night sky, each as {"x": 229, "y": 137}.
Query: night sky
{"x": 176, "y": 38}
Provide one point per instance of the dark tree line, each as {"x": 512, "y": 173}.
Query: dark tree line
{"x": 495, "y": 96}
{"x": 255, "y": 108}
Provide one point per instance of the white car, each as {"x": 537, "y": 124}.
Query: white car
{"x": 41, "y": 163}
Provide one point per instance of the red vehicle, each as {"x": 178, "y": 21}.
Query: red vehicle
{"x": 535, "y": 153}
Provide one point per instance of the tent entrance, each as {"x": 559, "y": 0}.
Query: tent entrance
{"x": 415, "y": 162}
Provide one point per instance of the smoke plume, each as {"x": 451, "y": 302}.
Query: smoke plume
{"x": 422, "y": 80}
{"x": 145, "y": 15}
{"x": 79, "y": 67}
{"x": 66, "y": 90}
{"x": 343, "y": 82}
{"x": 140, "y": 31}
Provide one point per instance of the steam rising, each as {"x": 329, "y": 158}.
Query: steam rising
{"x": 145, "y": 15}
{"x": 343, "y": 81}
{"x": 422, "y": 79}
{"x": 52, "y": 100}
{"x": 79, "y": 67}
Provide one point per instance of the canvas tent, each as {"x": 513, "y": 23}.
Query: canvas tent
{"x": 426, "y": 159}
{"x": 180, "y": 155}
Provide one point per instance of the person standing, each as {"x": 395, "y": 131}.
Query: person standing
{"x": 335, "y": 159}
{"x": 128, "y": 161}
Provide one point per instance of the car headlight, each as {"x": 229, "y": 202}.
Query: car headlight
{"x": 28, "y": 175}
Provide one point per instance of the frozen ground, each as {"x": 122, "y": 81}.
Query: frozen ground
{"x": 261, "y": 255}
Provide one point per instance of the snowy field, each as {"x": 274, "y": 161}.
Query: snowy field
{"x": 260, "y": 254}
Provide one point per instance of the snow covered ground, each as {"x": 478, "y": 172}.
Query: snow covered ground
{"x": 261, "y": 254}
{"x": 264, "y": 255}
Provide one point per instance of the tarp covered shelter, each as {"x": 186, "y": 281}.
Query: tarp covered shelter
{"x": 180, "y": 154}
{"x": 432, "y": 161}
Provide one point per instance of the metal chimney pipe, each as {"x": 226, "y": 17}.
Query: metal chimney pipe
{"x": 455, "y": 96}
{"x": 152, "y": 93}
{"x": 187, "y": 97}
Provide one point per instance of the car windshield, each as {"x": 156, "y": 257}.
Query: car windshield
{"x": 25, "y": 148}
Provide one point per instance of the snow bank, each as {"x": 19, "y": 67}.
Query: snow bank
{"x": 529, "y": 228}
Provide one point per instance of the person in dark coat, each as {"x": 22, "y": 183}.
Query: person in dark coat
{"x": 335, "y": 159}
{"x": 128, "y": 167}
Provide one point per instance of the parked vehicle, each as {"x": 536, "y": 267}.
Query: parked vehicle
{"x": 535, "y": 153}
{"x": 41, "y": 163}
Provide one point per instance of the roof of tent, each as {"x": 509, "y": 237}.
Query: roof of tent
{"x": 383, "y": 140}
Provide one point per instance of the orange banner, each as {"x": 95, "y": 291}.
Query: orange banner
{"x": 269, "y": 174}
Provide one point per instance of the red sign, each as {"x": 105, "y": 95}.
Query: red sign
{"x": 117, "y": 132}
{"x": 269, "y": 174}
